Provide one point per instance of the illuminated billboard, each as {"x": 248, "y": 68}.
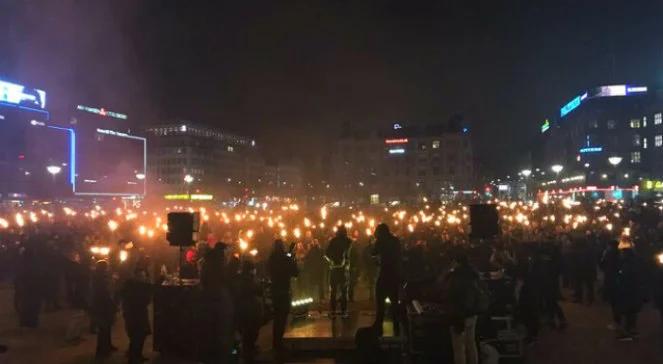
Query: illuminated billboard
{"x": 602, "y": 91}
{"x": 111, "y": 163}
{"x": 21, "y": 96}
{"x": 545, "y": 126}
{"x": 570, "y": 106}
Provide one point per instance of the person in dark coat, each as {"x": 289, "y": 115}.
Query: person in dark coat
{"x": 610, "y": 266}
{"x": 388, "y": 249}
{"x": 369, "y": 270}
{"x": 28, "y": 288}
{"x": 102, "y": 308}
{"x": 216, "y": 307}
{"x": 628, "y": 295}
{"x": 337, "y": 255}
{"x": 314, "y": 264}
{"x": 249, "y": 309}
{"x": 136, "y": 296}
{"x": 282, "y": 267}
{"x": 459, "y": 283}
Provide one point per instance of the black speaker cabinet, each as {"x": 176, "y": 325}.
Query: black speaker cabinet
{"x": 484, "y": 221}
{"x": 181, "y": 226}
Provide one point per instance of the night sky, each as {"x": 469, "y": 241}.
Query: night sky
{"x": 294, "y": 74}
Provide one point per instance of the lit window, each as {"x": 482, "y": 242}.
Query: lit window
{"x": 644, "y": 143}
{"x": 611, "y": 124}
{"x": 594, "y": 124}
{"x": 658, "y": 140}
{"x": 644, "y": 121}
{"x": 658, "y": 118}
{"x": 636, "y": 140}
{"x": 231, "y": 148}
{"x": 436, "y": 144}
{"x": 635, "y": 157}
{"x": 635, "y": 123}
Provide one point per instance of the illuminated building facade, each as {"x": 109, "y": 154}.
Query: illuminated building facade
{"x": 36, "y": 157}
{"x": 110, "y": 159}
{"x": 404, "y": 162}
{"x": 611, "y": 136}
{"x": 219, "y": 163}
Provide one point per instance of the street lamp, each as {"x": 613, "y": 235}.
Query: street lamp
{"x": 526, "y": 172}
{"x": 615, "y": 160}
{"x": 54, "y": 170}
{"x": 188, "y": 178}
{"x": 557, "y": 168}
{"x": 140, "y": 176}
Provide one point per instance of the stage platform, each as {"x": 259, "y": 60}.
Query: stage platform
{"x": 319, "y": 332}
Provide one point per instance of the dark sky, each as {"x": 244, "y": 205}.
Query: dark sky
{"x": 293, "y": 74}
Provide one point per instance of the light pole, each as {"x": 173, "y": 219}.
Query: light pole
{"x": 54, "y": 170}
{"x": 188, "y": 179}
{"x": 615, "y": 160}
{"x": 557, "y": 168}
{"x": 526, "y": 173}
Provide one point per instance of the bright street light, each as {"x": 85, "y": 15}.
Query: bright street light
{"x": 54, "y": 170}
{"x": 140, "y": 176}
{"x": 188, "y": 178}
{"x": 557, "y": 168}
{"x": 526, "y": 172}
{"x": 615, "y": 160}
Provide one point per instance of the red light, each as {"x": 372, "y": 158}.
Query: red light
{"x": 396, "y": 141}
{"x": 102, "y": 112}
{"x": 21, "y": 156}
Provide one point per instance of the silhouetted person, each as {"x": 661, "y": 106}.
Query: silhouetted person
{"x": 338, "y": 256}
{"x": 102, "y": 308}
{"x": 584, "y": 270}
{"x": 369, "y": 270}
{"x": 136, "y": 297}
{"x": 460, "y": 283}
{"x": 628, "y": 295}
{"x": 217, "y": 308}
{"x": 28, "y": 289}
{"x": 354, "y": 270}
{"x": 388, "y": 249}
{"x": 610, "y": 266}
{"x": 282, "y": 267}
{"x": 249, "y": 309}
{"x": 314, "y": 264}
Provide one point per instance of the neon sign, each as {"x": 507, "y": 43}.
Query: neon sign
{"x": 572, "y": 105}
{"x": 545, "y": 126}
{"x": 591, "y": 150}
{"x": 652, "y": 185}
{"x": 396, "y": 141}
{"x": 397, "y": 151}
{"x": 20, "y": 95}
{"x": 102, "y": 112}
{"x": 193, "y": 197}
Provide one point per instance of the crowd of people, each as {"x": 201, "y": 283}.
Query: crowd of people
{"x": 603, "y": 248}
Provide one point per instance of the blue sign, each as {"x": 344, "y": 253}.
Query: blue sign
{"x": 21, "y": 96}
{"x": 591, "y": 150}
{"x": 572, "y": 105}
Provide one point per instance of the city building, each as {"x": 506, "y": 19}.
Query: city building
{"x": 35, "y": 158}
{"x": 404, "y": 162}
{"x": 184, "y": 157}
{"x": 110, "y": 159}
{"x": 606, "y": 141}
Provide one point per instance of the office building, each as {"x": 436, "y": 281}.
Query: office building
{"x": 403, "y": 162}
{"x": 212, "y": 161}
{"x": 607, "y": 139}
